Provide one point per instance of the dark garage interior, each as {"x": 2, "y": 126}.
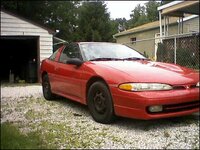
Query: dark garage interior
{"x": 19, "y": 59}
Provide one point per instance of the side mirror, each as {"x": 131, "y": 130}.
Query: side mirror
{"x": 74, "y": 61}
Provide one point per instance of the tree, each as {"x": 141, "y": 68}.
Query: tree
{"x": 81, "y": 20}
{"x": 144, "y": 14}
{"x": 138, "y": 16}
{"x": 151, "y": 10}
{"x": 27, "y": 9}
{"x": 122, "y": 23}
{"x": 94, "y": 22}
{"x": 61, "y": 15}
{"x": 163, "y": 2}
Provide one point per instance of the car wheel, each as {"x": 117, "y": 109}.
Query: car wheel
{"x": 100, "y": 103}
{"x": 46, "y": 88}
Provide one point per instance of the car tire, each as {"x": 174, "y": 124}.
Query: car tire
{"x": 46, "y": 88}
{"x": 100, "y": 103}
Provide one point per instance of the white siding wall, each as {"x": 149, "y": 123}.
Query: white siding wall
{"x": 13, "y": 26}
{"x": 192, "y": 25}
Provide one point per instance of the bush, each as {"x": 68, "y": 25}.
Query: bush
{"x": 185, "y": 57}
{"x": 161, "y": 53}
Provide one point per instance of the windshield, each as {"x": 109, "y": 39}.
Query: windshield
{"x": 108, "y": 51}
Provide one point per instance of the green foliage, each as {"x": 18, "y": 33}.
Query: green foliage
{"x": 151, "y": 11}
{"x": 138, "y": 16}
{"x": 94, "y": 22}
{"x": 27, "y": 9}
{"x": 118, "y": 25}
{"x": 115, "y": 25}
{"x": 184, "y": 57}
{"x": 11, "y": 138}
{"x": 57, "y": 15}
{"x": 61, "y": 15}
{"x": 81, "y": 20}
{"x": 161, "y": 53}
{"x": 122, "y": 21}
{"x": 163, "y": 2}
{"x": 76, "y": 20}
{"x": 144, "y": 14}
{"x": 145, "y": 55}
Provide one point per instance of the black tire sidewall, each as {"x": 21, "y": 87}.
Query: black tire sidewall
{"x": 108, "y": 116}
{"x": 47, "y": 95}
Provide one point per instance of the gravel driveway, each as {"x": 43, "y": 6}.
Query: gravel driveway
{"x": 66, "y": 124}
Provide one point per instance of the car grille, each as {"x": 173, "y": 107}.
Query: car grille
{"x": 181, "y": 106}
{"x": 178, "y": 107}
{"x": 182, "y": 87}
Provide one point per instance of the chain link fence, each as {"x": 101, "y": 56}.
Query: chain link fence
{"x": 178, "y": 49}
{"x": 182, "y": 50}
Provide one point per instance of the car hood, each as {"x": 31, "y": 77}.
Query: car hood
{"x": 148, "y": 71}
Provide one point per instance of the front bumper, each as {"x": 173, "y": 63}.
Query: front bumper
{"x": 174, "y": 102}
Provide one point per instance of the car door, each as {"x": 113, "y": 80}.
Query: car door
{"x": 53, "y": 64}
{"x": 68, "y": 76}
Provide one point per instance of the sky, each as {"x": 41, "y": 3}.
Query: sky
{"x": 122, "y": 9}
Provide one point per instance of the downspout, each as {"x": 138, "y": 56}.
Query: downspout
{"x": 178, "y": 25}
{"x": 182, "y": 24}
{"x": 164, "y": 26}
{"x": 167, "y": 25}
{"x": 160, "y": 19}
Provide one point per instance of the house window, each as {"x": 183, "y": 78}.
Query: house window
{"x": 133, "y": 40}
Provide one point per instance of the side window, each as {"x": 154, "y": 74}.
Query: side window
{"x": 53, "y": 56}
{"x": 70, "y": 51}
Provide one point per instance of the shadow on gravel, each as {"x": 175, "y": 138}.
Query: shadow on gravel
{"x": 147, "y": 125}
{"x": 130, "y": 124}
{"x": 79, "y": 108}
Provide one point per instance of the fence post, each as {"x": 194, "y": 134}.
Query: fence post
{"x": 175, "y": 50}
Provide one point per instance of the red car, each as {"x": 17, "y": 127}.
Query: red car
{"x": 115, "y": 80}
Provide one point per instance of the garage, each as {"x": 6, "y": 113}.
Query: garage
{"x": 24, "y": 44}
{"x": 20, "y": 54}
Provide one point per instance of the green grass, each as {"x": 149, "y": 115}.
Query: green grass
{"x": 12, "y": 138}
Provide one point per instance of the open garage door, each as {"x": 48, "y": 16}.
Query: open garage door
{"x": 19, "y": 58}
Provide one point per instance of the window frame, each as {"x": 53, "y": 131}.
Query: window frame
{"x": 133, "y": 40}
{"x": 54, "y": 54}
{"x": 66, "y": 45}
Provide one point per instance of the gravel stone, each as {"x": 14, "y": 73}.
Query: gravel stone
{"x": 26, "y": 107}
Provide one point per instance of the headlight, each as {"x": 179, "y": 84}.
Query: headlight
{"x": 144, "y": 86}
{"x": 197, "y": 84}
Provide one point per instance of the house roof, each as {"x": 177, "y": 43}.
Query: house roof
{"x": 144, "y": 27}
{"x": 29, "y": 21}
{"x": 169, "y": 5}
{"x": 151, "y": 25}
{"x": 178, "y": 8}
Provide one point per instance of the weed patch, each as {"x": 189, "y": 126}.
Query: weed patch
{"x": 12, "y": 138}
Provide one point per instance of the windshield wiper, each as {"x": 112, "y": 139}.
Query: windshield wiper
{"x": 105, "y": 59}
{"x": 135, "y": 58}
{"x": 113, "y": 59}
